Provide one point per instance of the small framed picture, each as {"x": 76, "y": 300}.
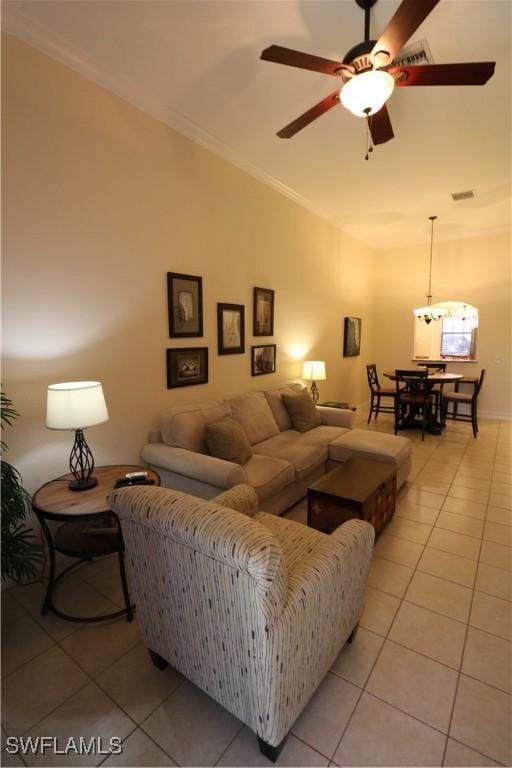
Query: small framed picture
{"x": 263, "y": 359}
{"x": 187, "y": 366}
{"x": 352, "y": 337}
{"x": 263, "y": 312}
{"x": 230, "y": 329}
{"x": 185, "y": 305}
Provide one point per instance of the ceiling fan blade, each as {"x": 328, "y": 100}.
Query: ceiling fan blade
{"x": 297, "y": 125}
{"x": 407, "y": 19}
{"x": 472, "y": 73}
{"x": 291, "y": 58}
{"x": 380, "y": 126}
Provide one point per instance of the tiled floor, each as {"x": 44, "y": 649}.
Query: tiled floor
{"x": 426, "y": 683}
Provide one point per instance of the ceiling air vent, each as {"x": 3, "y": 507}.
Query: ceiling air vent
{"x": 418, "y": 53}
{"x": 467, "y": 195}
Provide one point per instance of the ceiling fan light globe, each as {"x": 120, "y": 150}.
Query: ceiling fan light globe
{"x": 367, "y": 92}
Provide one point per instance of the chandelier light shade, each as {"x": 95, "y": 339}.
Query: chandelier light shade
{"x": 367, "y": 92}
{"x": 313, "y": 371}
{"x": 76, "y": 405}
{"x": 430, "y": 311}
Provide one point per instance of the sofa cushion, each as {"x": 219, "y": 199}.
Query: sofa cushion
{"x": 227, "y": 440}
{"x": 253, "y": 412}
{"x": 268, "y": 475}
{"x": 183, "y": 426}
{"x": 305, "y": 455}
{"x": 275, "y": 401}
{"x": 302, "y": 411}
{"x": 375, "y": 446}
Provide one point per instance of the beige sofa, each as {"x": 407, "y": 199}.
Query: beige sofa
{"x": 252, "y": 608}
{"x": 284, "y": 461}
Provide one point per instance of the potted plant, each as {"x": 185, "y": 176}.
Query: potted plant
{"x": 22, "y": 556}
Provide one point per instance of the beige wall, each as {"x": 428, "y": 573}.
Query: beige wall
{"x": 475, "y": 270}
{"x": 100, "y": 201}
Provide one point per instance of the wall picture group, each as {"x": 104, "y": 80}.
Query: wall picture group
{"x": 188, "y": 366}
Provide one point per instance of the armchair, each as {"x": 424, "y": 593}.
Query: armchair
{"x": 250, "y": 607}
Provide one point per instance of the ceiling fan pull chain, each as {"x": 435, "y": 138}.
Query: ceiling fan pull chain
{"x": 369, "y": 147}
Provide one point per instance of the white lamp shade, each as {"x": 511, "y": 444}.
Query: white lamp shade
{"x": 313, "y": 370}
{"x": 367, "y": 92}
{"x": 75, "y": 405}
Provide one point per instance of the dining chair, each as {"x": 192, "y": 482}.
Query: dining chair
{"x": 377, "y": 392}
{"x": 436, "y": 389}
{"x": 457, "y": 398}
{"x": 412, "y": 394}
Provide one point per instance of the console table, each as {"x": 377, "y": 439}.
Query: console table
{"x": 88, "y": 529}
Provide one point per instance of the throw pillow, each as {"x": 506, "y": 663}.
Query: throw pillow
{"x": 302, "y": 411}
{"x": 225, "y": 439}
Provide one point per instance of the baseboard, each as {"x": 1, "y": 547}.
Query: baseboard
{"x": 496, "y": 415}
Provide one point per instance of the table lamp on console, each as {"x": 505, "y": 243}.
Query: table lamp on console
{"x": 313, "y": 371}
{"x": 76, "y": 405}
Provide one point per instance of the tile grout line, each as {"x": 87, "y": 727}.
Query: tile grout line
{"x": 463, "y": 653}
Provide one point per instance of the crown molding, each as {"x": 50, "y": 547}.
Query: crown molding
{"x": 16, "y": 23}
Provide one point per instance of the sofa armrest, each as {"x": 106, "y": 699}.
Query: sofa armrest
{"x": 242, "y": 498}
{"x": 199, "y": 466}
{"x": 336, "y": 417}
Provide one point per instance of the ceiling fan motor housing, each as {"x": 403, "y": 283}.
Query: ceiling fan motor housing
{"x": 359, "y": 59}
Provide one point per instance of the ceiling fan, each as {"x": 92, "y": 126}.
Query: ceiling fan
{"x": 369, "y": 73}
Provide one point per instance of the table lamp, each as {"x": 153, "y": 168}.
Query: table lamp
{"x": 313, "y": 371}
{"x": 76, "y": 405}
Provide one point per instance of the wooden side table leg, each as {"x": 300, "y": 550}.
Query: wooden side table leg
{"x": 51, "y": 576}
{"x": 124, "y": 583}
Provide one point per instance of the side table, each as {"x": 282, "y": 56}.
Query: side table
{"x": 89, "y": 529}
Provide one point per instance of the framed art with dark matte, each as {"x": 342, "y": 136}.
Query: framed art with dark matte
{"x": 352, "y": 337}
{"x": 230, "y": 329}
{"x": 263, "y": 312}
{"x": 263, "y": 359}
{"x": 186, "y": 367}
{"x": 185, "y": 305}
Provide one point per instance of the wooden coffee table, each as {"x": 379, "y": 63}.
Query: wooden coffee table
{"x": 358, "y": 488}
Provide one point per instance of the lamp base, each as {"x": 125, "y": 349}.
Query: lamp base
{"x": 85, "y": 485}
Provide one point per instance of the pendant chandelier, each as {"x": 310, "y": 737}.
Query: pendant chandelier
{"x": 431, "y": 311}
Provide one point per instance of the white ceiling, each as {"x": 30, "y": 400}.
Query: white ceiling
{"x": 195, "y": 65}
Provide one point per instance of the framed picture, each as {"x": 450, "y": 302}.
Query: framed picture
{"x": 187, "y": 366}
{"x": 263, "y": 312}
{"x": 185, "y": 305}
{"x": 230, "y": 329}
{"x": 352, "y": 337}
{"x": 263, "y": 359}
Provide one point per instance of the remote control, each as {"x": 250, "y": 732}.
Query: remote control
{"x": 136, "y": 475}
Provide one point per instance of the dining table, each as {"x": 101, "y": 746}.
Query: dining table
{"x": 435, "y": 427}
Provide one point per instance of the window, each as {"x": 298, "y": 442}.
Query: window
{"x": 451, "y": 338}
{"x": 458, "y": 338}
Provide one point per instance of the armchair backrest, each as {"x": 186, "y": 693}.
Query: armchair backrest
{"x": 208, "y": 584}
